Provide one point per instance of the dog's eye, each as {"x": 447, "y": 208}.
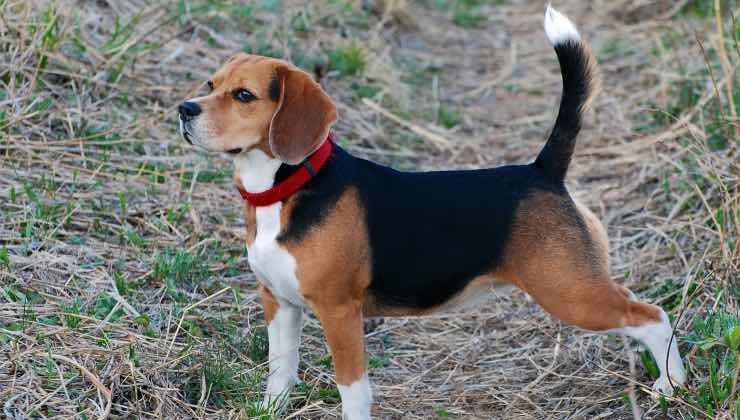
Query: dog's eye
{"x": 210, "y": 85}
{"x": 243, "y": 95}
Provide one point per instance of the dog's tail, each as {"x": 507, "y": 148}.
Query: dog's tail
{"x": 580, "y": 85}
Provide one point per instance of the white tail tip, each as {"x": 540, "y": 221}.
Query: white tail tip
{"x": 559, "y": 28}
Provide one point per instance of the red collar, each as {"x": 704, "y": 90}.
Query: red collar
{"x": 307, "y": 170}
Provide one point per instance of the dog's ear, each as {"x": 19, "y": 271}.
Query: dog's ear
{"x": 303, "y": 117}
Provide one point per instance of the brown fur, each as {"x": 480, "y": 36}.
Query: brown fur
{"x": 250, "y": 215}
{"x": 231, "y": 121}
{"x": 333, "y": 259}
{"x": 563, "y": 265}
{"x": 334, "y": 272}
{"x": 250, "y": 223}
{"x": 304, "y": 115}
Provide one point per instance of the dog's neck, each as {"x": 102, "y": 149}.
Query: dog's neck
{"x": 256, "y": 170}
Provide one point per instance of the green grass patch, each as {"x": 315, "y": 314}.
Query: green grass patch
{"x": 718, "y": 337}
{"x": 651, "y": 366}
{"x": 448, "y": 118}
{"x": 205, "y": 176}
{"x": 178, "y": 269}
{"x": 365, "y": 90}
{"x": 179, "y": 265}
{"x": 103, "y": 308}
{"x": 348, "y": 60}
{"x": 464, "y": 13}
{"x": 699, "y": 9}
{"x": 316, "y": 392}
{"x": 5, "y": 257}
{"x": 377, "y": 362}
{"x": 227, "y": 381}
{"x": 71, "y": 314}
{"x": 442, "y": 413}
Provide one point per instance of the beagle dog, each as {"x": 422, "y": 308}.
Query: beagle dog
{"x": 348, "y": 238}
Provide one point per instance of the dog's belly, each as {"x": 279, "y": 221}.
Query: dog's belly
{"x": 274, "y": 266}
{"x": 477, "y": 291}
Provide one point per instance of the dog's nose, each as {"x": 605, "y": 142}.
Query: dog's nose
{"x": 188, "y": 110}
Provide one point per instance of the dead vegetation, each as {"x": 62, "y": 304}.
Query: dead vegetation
{"x": 124, "y": 286}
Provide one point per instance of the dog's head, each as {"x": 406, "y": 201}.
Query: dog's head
{"x": 261, "y": 102}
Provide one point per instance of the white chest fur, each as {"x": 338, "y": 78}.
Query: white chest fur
{"x": 274, "y": 266}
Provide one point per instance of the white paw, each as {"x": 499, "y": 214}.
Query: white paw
{"x": 274, "y": 404}
{"x": 666, "y": 387}
{"x": 676, "y": 372}
{"x": 663, "y": 386}
{"x": 356, "y": 399}
{"x": 278, "y": 392}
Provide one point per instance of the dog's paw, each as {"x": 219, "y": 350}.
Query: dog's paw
{"x": 663, "y": 386}
{"x": 666, "y": 387}
{"x": 272, "y": 407}
{"x": 274, "y": 404}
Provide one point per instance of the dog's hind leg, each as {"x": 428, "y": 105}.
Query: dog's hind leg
{"x": 562, "y": 262}
{"x": 600, "y": 305}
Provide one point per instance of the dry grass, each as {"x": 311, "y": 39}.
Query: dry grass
{"x": 124, "y": 287}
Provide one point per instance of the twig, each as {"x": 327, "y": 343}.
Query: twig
{"x": 435, "y": 139}
{"x": 94, "y": 379}
{"x": 725, "y": 62}
{"x": 185, "y": 311}
{"x": 120, "y": 299}
{"x": 711, "y": 74}
{"x": 734, "y": 34}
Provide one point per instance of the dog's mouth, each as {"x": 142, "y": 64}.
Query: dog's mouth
{"x": 188, "y": 137}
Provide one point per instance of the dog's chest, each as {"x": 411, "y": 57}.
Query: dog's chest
{"x": 274, "y": 266}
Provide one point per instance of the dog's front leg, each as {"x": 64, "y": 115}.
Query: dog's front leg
{"x": 343, "y": 328}
{"x": 284, "y": 322}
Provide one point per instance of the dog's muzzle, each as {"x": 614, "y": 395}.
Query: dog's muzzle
{"x": 187, "y": 112}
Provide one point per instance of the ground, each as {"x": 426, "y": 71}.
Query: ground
{"x": 124, "y": 284}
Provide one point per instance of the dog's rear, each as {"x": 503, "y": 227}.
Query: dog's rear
{"x": 559, "y": 250}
